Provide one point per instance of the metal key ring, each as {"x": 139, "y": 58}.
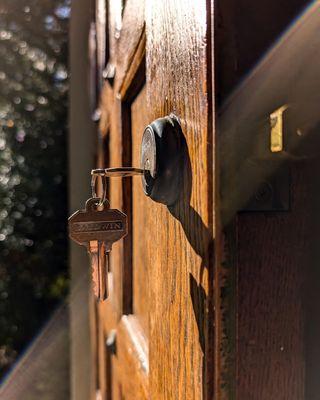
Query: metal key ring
{"x": 104, "y": 188}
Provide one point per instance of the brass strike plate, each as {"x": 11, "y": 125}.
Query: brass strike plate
{"x": 276, "y": 129}
{"x": 273, "y": 192}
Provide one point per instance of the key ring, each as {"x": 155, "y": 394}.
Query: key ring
{"x": 104, "y": 188}
{"x": 103, "y": 173}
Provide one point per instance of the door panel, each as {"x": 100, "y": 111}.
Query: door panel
{"x": 131, "y": 372}
{"x": 142, "y": 215}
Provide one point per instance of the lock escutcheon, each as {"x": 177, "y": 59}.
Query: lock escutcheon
{"x": 162, "y": 154}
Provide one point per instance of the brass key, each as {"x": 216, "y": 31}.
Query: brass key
{"x": 98, "y": 229}
{"x": 122, "y": 172}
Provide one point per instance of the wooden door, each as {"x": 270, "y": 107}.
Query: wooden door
{"x": 158, "y": 320}
{"x": 217, "y": 296}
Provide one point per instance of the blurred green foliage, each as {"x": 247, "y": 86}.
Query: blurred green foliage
{"x": 33, "y": 167}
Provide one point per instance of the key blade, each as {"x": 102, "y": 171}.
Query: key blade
{"x": 97, "y": 252}
{"x": 122, "y": 172}
{"x": 93, "y": 250}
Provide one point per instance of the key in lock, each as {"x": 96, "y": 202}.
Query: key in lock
{"x": 97, "y": 226}
{"x": 163, "y": 158}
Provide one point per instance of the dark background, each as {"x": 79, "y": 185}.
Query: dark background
{"x": 33, "y": 168}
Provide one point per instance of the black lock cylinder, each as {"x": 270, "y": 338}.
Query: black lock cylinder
{"x": 162, "y": 151}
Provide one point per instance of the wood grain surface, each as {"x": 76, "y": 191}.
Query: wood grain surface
{"x": 209, "y": 301}
{"x": 181, "y": 270}
{"x": 271, "y": 276}
{"x": 162, "y": 273}
{"x": 143, "y": 229}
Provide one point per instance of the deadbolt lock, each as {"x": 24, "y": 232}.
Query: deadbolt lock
{"x": 162, "y": 154}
